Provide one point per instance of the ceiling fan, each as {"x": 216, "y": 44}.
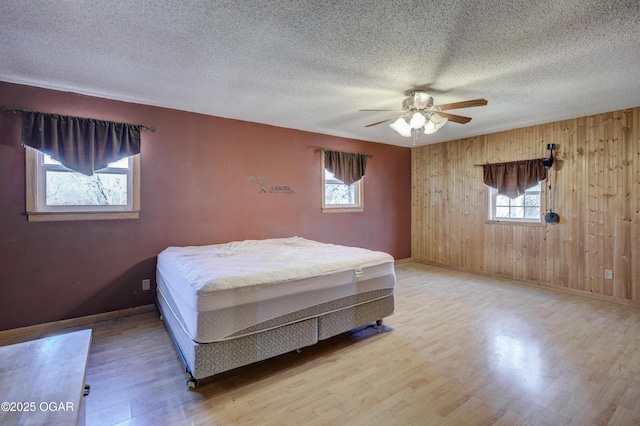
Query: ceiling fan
{"x": 419, "y": 112}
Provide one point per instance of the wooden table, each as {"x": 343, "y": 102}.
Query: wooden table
{"x": 42, "y": 381}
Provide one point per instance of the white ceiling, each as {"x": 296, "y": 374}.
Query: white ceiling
{"x": 311, "y": 65}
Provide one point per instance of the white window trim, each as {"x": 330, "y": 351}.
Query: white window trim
{"x": 343, "y": 208}
{"x": 35, "y": 190}
{"x": 492, "y": 193}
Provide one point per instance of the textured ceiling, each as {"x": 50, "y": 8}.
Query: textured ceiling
{"x": 311, "y": 65}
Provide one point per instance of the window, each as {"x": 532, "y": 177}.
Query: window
{"x": 525, "y": 208}
{"x": 57, "y": 193}
{"x": 338, "y": 197}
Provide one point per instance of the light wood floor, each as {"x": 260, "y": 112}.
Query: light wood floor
{"x": 460, "y": 350}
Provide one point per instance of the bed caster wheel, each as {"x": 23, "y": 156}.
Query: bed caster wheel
{"x": 193, "y": 383}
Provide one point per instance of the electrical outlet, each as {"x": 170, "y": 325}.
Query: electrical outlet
{"x": 146, "y": 284}
{"x": 608, "y": 274}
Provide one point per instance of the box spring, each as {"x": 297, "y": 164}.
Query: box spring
{"x": 206, "y": 359}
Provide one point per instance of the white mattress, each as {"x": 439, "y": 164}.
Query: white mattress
{"x": 219, "y": 290}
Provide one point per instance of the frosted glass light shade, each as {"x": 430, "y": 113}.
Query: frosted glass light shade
{"x": 435, "y": 122}
{"x": 417, "y": 120}
{"x": 421, "y": 100}
{"x": 429, "y": 127}
{"x": 438, "y": 120}
{"x": 401, "y": 126}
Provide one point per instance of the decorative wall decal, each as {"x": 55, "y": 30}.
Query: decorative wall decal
{"x": 281, "y": 189}
{"x": 263, "y": 184}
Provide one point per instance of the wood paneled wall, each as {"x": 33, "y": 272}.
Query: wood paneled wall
{"x": 596, "y": 181}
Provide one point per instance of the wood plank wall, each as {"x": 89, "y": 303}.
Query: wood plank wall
{"x": 596, "y": 181}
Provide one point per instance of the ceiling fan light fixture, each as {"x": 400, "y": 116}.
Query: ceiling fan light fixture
{"x": 402, "y": 127}
{"x": 417, "y": 120}
{"x": 422, "y": 100}
{"x": 434, "y": 124}
{"x": 438, "y": 120}
{"x": 420, "y": 114}
{"x": 429, "y": 128}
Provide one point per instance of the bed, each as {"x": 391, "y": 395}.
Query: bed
{"x": 229, "y": 305}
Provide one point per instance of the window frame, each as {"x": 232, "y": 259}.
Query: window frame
{"x": 356, "y": 207}
{"x": 492, "y": 194}
{"x": 37, "y": 211}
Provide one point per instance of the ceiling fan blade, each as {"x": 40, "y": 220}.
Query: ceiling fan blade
{"x": 463, "y": 104}
{"x": 386, "y": 110}
{"x": 383, "y": 121}
{"x": 455, "y": 118}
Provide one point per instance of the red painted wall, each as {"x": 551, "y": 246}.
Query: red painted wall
{"x": 194, "y": 192}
